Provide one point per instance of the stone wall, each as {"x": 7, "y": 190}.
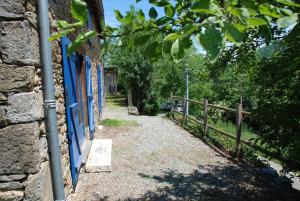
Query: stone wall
{"x": 24, "y": 166}
{"x": 24, "y": 160}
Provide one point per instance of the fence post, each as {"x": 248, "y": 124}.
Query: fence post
{"x": 205, "y": 116}
{"x": 184, "y": 110}
{"x": 239, "y": 109}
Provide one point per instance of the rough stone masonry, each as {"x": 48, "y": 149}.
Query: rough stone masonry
{"x": 24, "y": 165}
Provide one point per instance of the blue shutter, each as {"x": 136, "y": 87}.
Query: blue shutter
{"x": 90, "y": 97}
{"x": 75, "y": 128}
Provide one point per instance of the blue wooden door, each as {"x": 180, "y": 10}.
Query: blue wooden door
{"x": 99, "y": 89}
{"x": 75, "y": 125}
{"x": 90, "y": 97}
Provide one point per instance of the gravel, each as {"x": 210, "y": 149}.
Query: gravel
{"x": 158, "y": 160}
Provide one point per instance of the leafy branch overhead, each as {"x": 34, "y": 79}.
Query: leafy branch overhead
{"x": 211, "y": 23}
{"x": 79, "y": 12}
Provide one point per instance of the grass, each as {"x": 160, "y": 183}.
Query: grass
{"x": 118, "y": 123}
{"x": 229, "y": 127}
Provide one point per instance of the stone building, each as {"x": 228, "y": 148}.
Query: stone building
{"x": 110, "y": 75}
{"x": 24, "y": 156}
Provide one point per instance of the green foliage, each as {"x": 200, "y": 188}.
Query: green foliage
{"x": 152, "y": 105}
{"x": 80, "y": 14}
{"x": 212, "y": 41}
{"x": 278, "y": 105}
{"x": 79, "y": 10}
{"x": 213, "y": 22}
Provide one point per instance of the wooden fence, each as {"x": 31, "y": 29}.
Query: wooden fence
{"x": 239, "y": 113}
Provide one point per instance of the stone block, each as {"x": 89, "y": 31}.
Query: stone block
{"x": 2, "y": 98}
{"x": 13, "y": 78}
{"x": 19, "y": 152}
{"x": 3, "y": 121}
{"x": 19, "y": 43}
{"x": 25, "y": 107}
{"x": 12, "y": 9}
{"x": 133, "y": 110}
{"x": 43, "y": 148}
{"x": 11, "y": 195}
{"x": 14, "y": 177}
{"x": 38, "y": 186}
{"x": 14, "y": 185}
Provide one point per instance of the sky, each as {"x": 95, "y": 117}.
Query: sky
{"x": 123, "y": 6}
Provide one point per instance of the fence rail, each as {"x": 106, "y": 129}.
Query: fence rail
{"x": 240, "y": 113}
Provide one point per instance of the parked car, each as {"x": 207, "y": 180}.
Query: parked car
{"x": 165, "y": 106}
{"x": 178, "y": 107}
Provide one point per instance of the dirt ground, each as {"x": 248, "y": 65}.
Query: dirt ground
{"x": 158, "y": 160}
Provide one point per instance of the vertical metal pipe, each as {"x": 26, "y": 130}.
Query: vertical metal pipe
{"x": 187, "y": 89}
{"x": 49, "y": 103}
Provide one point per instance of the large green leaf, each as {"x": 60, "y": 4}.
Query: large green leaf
{"x": 287, "y": 21}
{"x": 81, "y": 38}
{"x": 161, "y": 3}
{"x": 177, "y": 50}
{"x": 254, "y": 22}
{"x": 79, "y": 10}
{"x": 169, "y": 10}
{"x": 60, "y": 34}
{"x": 269, "y": 10}
{"x": 203, "y": 4}
{"x": 162, "y": 21}
{"x": 129, "y": 18}
{"x": 141, "y": 15}
{"x": 172, "y": 37}
{"x": 266, "y": 32}
{"x": 232, "y": 33}
{"x": 289, "y": 3}
{"x": 152, "y": 13}
{"x": 62, "y": 24}
{"x": 212, "y": 41}
{"x": 118, "y": 15}
{"x": 206, "y": 7}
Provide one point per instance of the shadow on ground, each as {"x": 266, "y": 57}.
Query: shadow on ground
{"x": 217, "y": 183}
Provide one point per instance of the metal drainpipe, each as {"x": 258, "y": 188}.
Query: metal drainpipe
{"x": 49, "y": 103}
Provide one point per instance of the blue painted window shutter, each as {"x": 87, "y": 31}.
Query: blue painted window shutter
{"x": 90, "y": 97}
{"x": 99, "y": 89}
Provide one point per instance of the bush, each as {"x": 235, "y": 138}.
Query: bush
{"x": 152, "y": 105}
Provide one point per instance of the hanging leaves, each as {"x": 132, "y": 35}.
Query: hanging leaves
{"x": 212, "y": 41}
{"x": 232, "y": 33}
{"x": 79, "y": 10}
{"x": 169, "y": 10}
{"x": 153, "y": 13}
{"x": 216, "y": 22}
{"x": 81, "y": 38}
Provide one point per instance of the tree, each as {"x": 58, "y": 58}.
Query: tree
{"x": 212, "y": 22}
{"x": 278, "y": 106}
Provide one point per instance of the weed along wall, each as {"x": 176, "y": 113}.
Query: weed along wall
{"x": 24, "y": 159}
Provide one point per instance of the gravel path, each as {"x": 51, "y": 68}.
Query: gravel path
{"x": 158, "y": 160}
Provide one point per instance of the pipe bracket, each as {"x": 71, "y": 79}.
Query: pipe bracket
{"x": 49, "y": 104}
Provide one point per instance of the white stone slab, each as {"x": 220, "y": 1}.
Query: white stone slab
{"x": 99, "y": 159}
